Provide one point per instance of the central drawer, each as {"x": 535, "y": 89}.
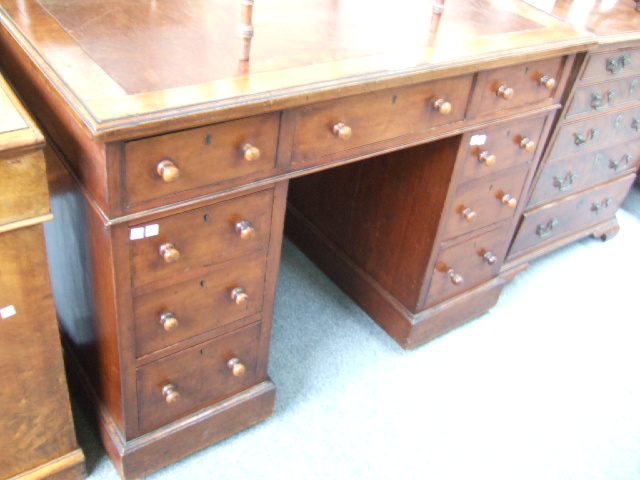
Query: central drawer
{"x": 185, "y": 382}
{"x": 342, "y": 125}
{"x": 198, "y": 238}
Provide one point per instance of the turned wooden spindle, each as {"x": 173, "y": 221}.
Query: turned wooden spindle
{"x": 245, "y": 28}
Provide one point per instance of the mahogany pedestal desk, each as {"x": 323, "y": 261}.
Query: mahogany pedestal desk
{"x": 170, "y": 164}
{"x": 37, "y": 439}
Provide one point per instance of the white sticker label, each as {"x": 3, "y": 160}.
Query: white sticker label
{"x": 7, "y": 312}
{"x": 478, "y": 140}
{"x": 136, "y": 233}
{"x": 151, "y": 230}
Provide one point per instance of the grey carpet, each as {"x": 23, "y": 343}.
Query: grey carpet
{"x": 544, "y": 386}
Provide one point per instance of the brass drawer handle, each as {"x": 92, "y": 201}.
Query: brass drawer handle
{"x": 547, "y": 82}
{"x": 170, "y": 393}
{"x": 442, "y": 106}
{"x": 239, "y": 296}
{"x": 456, "y": 278}
{"x": 168, "y": 321}
{"x": 490, "y": 258}
{"x": 250, "y": 152}
{"x": 487, "y": 158}
{"x": 342, "y": 131}
{"x": 509, "y": 200}
{"x": 245, "y": 230}
{"x": 598, "y": 206}
{"x": 527, "y": 144}
{"x": 237, "y": 368}
{"x": 564, "y": 184}
{"x": 617, "y": 65}
{"x": 543, "y": 230}
{"x": 620, "y": 165}
{"x": 582, "y": 140}
{"x": 505, "y": 92}
{"x": 169, "y": 252}
{"x": 596, "y": 100}
{"x": 468, "y": 214}
{"x": 168, "y": 170}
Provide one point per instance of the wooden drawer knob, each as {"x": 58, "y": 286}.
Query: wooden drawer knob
{"x": 237, "y": 368}
{"x": 508, "y": 200}
{"x": 168, "y": 170}
{"x": 245, "y": 230}
{"x": 456, "y": 278}
{"x": 342, "y": 131}
{"x": 250, "y": 152}
{"x": 168, "y": 321}
{"x": 547, "y": 82}
{"x": 468, "y": 214}
{"x": 169, "y": 253}
{"x": 239, "y": 296}
{"x": 527, "y": 144}
{"x": 442, "y": 106}
{"x": 171, "y": 395}
{"x": 487, "y": 158}
{"x": 490, "y": 258}
{"x": 505, "y": 92}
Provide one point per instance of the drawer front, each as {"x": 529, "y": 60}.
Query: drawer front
{"x": 185, "y": 382}
{"x": 199, "y": 157}
{"x": 551, "y": 220}
{"x": 493, "y": 149}
{"x": 23, "y": 187}
{"x": 182, "y": 310}
{"x": 375, "y": 117}
{"x": 612, "y": 62}
{"x": 595, "y": 132}
{"x": 515, "y": 86}
{"x": 485, "y": 201}
{"x": 467, "y": 265}
{"x": 600, "y": 97}
{"x": 578, "y": 172}
{"x": 200, "y": 237}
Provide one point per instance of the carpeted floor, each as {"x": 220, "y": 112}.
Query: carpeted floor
{"x": 545, "y": 386}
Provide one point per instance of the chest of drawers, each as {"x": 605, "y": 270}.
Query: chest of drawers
{"x": 38, "y": 439}
{"x": 592, "y": 156}
{"x": 169, "y": 183}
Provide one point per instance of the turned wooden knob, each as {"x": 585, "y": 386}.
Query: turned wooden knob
{"x": 508, "y": 200}
{"x": 442, "y": 106}
{"x": 237, "y": 368}
{"x": 168, "y": 321}
{"x": 505, "y": 92}
{"x": 168, "y": 170}
{"x": 239, "y": 296}
{"x": 547, "y": 82}
{"x": 245, "y": 230}
{"x": 169, "y": 253}
{"x": 490, "y": 258}
{"x": 468, "y": 214}
{"x": 487, "y": 158}
{"x": 171, "y": 395}
{"x": 342, "y": 131}
{"x": 527, "y": 144}
{"x": 250, "y": 152}
{"x": 456, "y": 278}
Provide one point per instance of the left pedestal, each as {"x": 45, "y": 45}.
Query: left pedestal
{"x": 36, "y": 426}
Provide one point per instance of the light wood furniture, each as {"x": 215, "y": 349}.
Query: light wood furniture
{"x": 594, "y": 152}
{"x": 171, "y": 161}
{"x": 36, "y": 427}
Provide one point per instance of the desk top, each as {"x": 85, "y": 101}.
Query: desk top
{"x": 17, "y": 130}
{"x": 146, "y": 67}
{"x": 611, "y": 20}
